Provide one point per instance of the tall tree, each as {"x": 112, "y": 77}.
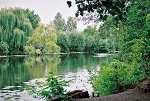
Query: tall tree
{"x": 71, "y": 24}
{"x": 59, "y": 22}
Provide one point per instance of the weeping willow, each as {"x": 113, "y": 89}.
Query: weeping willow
{"x": 15, "y": 27}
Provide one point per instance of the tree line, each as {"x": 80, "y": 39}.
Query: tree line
{"x": 22, "y": 33}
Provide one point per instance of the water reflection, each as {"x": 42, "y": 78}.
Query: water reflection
{"x": 13, "y": 72}
{"x": 17, "y": 72}
{"x": 39, "y": 66}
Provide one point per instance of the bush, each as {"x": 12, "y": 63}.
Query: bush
{"x": 30, "y": 49}
{"x": 117, "y": 77}
{"x": 128, "y": 74}
{"x": 106, "y": 82}
{"x": 63, "y": 41}
{"x": 77, "y": 43}
{"x": 89, "y": 41}
{"x": 4, "y": 48}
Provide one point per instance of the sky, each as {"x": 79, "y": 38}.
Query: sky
{"x": 46, "y": 9}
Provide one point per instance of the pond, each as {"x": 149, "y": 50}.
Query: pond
{"x": 19, "y": 72}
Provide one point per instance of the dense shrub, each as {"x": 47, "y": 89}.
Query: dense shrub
{"x": 117, "y": 77}
{"x": 63, "y": 41}
{"x": 4, "y": 48}
{"x": 106, "y": 82}
{"x": 77, "y": 43}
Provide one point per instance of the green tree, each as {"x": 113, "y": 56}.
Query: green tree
{"x": 109, "y": 32}
{"x": 102, "y": 40}
{"x": 43, "y": 41}
{"x": 59, "y": 22}
{"x": 77, "y": 41}
{"x": 90, "y": 41}
{"x": 63, "y": 41}
{"x": 104, "y": 8}
{"x": 90, "y": 31}
{"x": 135, "y": 39}
{"x": 146, "y": 52}
{"x": 15, "y": 27}
{"x": 71, "y": 24}
{"x": 130, "y": 25}
{"x": 4, "y": 48}
{"x": 133, "y": 60}
{"x": 34, "y": 18}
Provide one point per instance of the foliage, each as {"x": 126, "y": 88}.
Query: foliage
{"x": 4, "y": 48}
{"x": 51, "y": 89}
{"x": 109, "y": 32}
{"x": 63, "y": 41}
{"x": 15, "y": 28}
{"x": 90, "y": 40}
{"x": 90, "y": 18}
{"x": 89, "y": 31}
{"x": 43, "y": 41}
{"x": 30, "y": 49}
{"x": 71, "y": 24}
{"x": 93, "y": 45}
{"x": 128, "y": 74}
{"x": 59, "y": 22}
{"x": 133, "y": 60}
{"x": 106, "y": 82}
{"x": 34, "y": 18}
{"x": 93, "y": 75}
{"x": 147, "y": 25}
{"x": 117, "y": 77}
{"x": 77, "y": 42}
{"x": 135, "y": 39}
{"x": 146, "y": 53}
{"x": 71, "y": 41}
{"x": 103, "y": 7}
{"x": 61, "y": 25}
{"x": 102, "y": 40}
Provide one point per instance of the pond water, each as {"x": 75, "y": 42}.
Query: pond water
{"x": 19, "y": 72}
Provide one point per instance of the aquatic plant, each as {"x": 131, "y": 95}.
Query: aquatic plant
{"x": 52, "y": 88}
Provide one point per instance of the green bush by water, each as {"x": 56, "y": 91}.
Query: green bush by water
{"x": 4, "y": 48}
{"x": 117, "y": 77}
{"x": 106, "y": 81}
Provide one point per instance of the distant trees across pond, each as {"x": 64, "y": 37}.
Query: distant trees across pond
{"x": 22, "y": 33}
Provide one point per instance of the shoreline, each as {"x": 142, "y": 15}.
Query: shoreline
{"x": 128, "y": 95}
